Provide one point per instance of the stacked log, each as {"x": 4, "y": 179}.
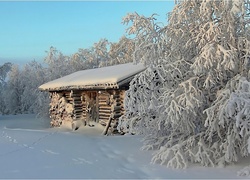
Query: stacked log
{"x": 104, "y": 107}
{"x": 117, "y": 109}
{"x": 60, "y": 109}
{"x": 84, "y": 105}
{"x": 114, "y": 111}
{"x": 122, "y": 94}
{"x": 76, "y": 97}
{"x": 76, "y": 106}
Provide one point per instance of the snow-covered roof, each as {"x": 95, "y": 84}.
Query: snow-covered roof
{"x": 111, "y": 77}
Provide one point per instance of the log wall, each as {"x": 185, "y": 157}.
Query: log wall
{"x": 77, "y": 104}
{"x": 104, "y": 106}
{"x": 61, "y": 108}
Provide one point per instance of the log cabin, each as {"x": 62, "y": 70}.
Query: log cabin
{"x": 93, "y": 95}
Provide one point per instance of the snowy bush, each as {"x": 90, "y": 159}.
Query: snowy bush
{"x": 203, "y": 104}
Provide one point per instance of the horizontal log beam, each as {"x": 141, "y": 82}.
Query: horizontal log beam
{"x": 105, "y": 110}
{"x": 103, "y": 103}
{"x": 105, "y": 114}
{"x": 105, "y": 107}
{"x": 77, "y": 110}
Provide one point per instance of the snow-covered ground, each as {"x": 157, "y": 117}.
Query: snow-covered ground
{"x": 30, "y": 149}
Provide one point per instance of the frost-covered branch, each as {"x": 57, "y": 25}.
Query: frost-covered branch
{"x": 203, "y": 101}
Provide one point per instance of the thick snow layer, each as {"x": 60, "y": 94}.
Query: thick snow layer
{"x": 29, "y": 149}
{"x": 95, "y": 77}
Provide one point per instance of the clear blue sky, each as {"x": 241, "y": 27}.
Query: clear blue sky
{"x": 29, "y": 28}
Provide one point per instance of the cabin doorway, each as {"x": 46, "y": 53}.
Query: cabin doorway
{"x": 92, "y": 110}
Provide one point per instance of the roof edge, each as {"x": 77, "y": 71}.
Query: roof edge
{"x": 85, "y": 87}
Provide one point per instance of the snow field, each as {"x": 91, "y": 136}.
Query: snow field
{"x": 29, "y": 149}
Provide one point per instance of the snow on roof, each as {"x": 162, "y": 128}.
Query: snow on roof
{"x": 111, "y": 77}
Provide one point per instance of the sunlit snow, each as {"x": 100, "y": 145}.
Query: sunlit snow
{"x": 94, "y": 77}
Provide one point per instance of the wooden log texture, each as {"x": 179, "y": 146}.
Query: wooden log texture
{"x": 104, "y": 113}
{"x": 60, "y": 108}
{"x": 104, "y": 107}
{"x": 105, "y": 110}
{"x": 103, "y": 122}
{"x": 107, "y": 127}
{"x": 104, "y": 118}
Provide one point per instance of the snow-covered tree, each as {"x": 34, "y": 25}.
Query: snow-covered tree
{"x": 101, "y": 56}
{"x": 13, "y": 91}
{"x": 121, "y": 52}
{"x": 203, "y": 110}
{"x": 20, "y": 93}
{"x": 4, "y": 69}
{"x": 140, "y": 102}
{"x": 85, "y": 56}
{"x": 148, "y": 38}
{"x": 32, "y": 99}
{"x": 144, "y": 92}
{"x": 93, "y": 57}
{"x": 78, "y": 61}
{"x": 58, "y": 64}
